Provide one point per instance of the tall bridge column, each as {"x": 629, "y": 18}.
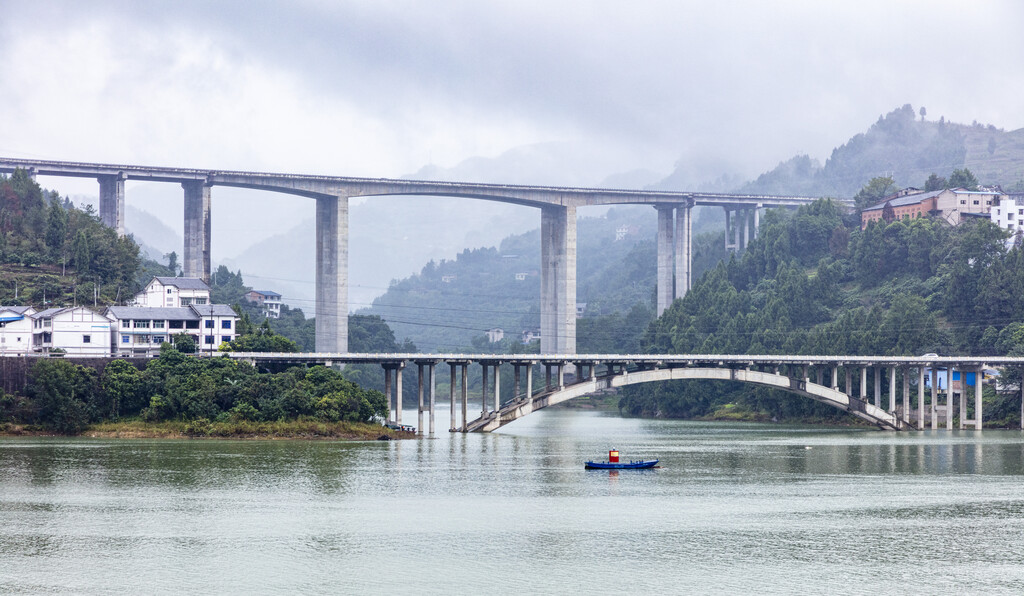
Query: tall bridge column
{"x": 949, "y": 397}
{"x": 684, "y": 247}
{"x": 197, "y": 230}
{"x": 558, "y": 280}
{"x": 665, "y": 250}
{"x": 451, "y": 396}
{"x": 332, "y": 274}
{"x": 746, "y": 228}
{"x": 978, "y": 379}
{"x": 112, "y": 201}
{"x": 920, "y": 398}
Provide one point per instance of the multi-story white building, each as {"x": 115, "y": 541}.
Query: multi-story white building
{"x": 1008, "y": 213}
{"x": 77, "y": 331}
{"x": 15, "y": 330}
{"x": 269, "y": 301}
{"x": 140, "y": 330}
{"x": 173, "y": 292}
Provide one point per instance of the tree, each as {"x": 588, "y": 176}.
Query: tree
{"x": 184, "y": 343}
{"x": 80, "y": 250}
{"x": 874, "y": 191}
{"x": 120, "y": 386}
{"x": 923, "y": 113}
{"x": 888, "y": 213}
{"x": 935, "y": 182}
{"x": 64, "y": 392}
{"x": 172, "y": 262}
{"x": 57, "y": 227}
{"x": 962, "y": 178}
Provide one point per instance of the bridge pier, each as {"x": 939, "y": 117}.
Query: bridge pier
{"x": 112, "y": 201}
{"x": 675, "y": 248}
{"x": 921, "y": 397}
{"x": 949, "y": 398}
{"x": 978, "y": 380}
{"x": 558, "y": 279}
{"x": 332, "y": 274}
{"x": 451, "y": 396}
{"x": 397, "y": 401}
{"x": 465, "y": 396}
{"x": 196, "y": 261}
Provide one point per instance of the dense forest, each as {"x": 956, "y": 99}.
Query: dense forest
{"x": 813, "y": 283}
{"x": 54, "y": 253}
{"x": 66, "y": 397}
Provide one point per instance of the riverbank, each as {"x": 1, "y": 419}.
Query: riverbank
{"x": 203, "y": 429}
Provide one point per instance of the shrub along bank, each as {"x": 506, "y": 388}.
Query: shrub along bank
{"x": 65, "y": 397}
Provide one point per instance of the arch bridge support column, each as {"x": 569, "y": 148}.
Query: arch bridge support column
{"x": 196, "y": 259}
{"x": 332, "y": 274}
{"x": 558, "y": 280}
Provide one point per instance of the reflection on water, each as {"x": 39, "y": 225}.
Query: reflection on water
{"x": 734, "y": 508}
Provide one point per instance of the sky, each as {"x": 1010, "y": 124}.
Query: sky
{"x": 385, "y": 88}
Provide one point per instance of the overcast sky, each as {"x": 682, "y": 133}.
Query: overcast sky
{"x": 382, "y": 88}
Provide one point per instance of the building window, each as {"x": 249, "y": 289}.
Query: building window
{"x": 126, "y": 339}
{"x": 199, "y": 301}
{"x": 208, "y": 340}
{"x": 168, "y": 290}
{"x": 158, "y": 324}
{"x": 142, "y": 339}
{"x": 142, "y": 324}
{"x": 159, "y": 339}
{"x": 225, "y": 324}
{"x": 963, "y": 201}
{"x": 186, "y": 301}
{"x": 86, "y": 339}
{"x": 208, "y": 323}
{"x": 225, "y": 338}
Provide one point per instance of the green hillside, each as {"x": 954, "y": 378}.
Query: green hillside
{"x": 813, "y": 283}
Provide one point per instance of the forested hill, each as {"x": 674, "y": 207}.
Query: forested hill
{"x": 813, "y": 283}
{"x": 907, "y": 146}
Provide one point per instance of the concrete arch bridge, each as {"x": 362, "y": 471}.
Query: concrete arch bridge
{"x": 854, "y": 384}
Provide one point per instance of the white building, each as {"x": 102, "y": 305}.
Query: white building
{"x": 139, "y": 330}
{"x": 1008, "y": 213}
{"x": 78, "y": 331}
{"x": 495, "y": 335}
{"x": 173, "y": 292}
{"x": 269, "y": 301}
{"x": 15, "y": 330}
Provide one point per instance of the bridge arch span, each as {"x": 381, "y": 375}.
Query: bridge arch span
{"x": 827, "y": 395}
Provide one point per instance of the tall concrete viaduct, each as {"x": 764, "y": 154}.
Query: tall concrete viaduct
{"x": 558, "y": 228}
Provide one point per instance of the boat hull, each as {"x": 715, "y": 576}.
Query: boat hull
{"x": 633, "y": 465}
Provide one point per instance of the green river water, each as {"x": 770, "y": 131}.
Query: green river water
{"x": 736, "y": 508}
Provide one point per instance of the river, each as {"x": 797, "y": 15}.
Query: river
{"x": 735, "y": 508}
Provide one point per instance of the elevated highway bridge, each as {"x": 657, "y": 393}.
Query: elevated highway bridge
{"x": 557, "y": 207}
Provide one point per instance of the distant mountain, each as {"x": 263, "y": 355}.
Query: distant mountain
{"x": 154, "y": 237}
{"x": 908, "y": 149}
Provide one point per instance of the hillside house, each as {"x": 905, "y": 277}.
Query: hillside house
{"x": 75, "y": 330}
{"x": 15, "y": 330}
{"x": 173, "y": 292}
{"x": 139, "y": 330}
{"x": 1008, "y": 213}
{"x": 269, "y": 302}
{"x": 953, "y": 205}
{"x": 495, "y": 335}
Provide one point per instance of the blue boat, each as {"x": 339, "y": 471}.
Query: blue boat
{"x": 633, "y": 465}
{"x": 613, "y": 463}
